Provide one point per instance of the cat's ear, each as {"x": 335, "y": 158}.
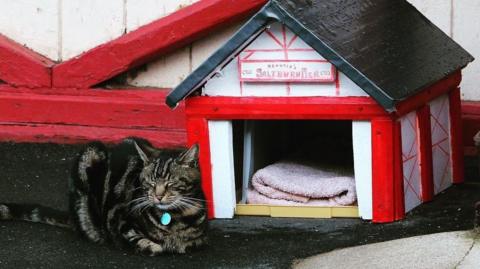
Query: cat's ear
{"x": 141, "y": 153}
{"x": 190, "y": 156}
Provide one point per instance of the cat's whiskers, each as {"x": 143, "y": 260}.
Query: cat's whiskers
{"x": 141, "y": 205}
{"x": 140, "y": 199}
{"x": 176, "y": 204}
{"x": 148, "y": 205}
{"x": 198, "y": 201}
{"x": 189, "y": 203}
{"x": 194, "y": 201}
{"x": 134, "y": 189}
{"x": 136, "y": 207}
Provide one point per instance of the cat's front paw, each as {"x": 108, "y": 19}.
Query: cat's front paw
{"x": 182, "y": 250}
{"x": 195, "y": 244}
{"x": 148, "y": 248}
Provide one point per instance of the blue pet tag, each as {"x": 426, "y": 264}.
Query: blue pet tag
{"x": 166, "y": 218}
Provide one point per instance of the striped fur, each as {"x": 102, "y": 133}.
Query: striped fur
{"x": 119, "y": 194}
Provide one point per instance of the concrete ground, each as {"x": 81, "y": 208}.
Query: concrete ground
{"x": 38, "y": 172}
{"x": 436, "y": 251}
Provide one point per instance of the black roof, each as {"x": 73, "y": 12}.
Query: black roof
{"x": 386, "y": 47}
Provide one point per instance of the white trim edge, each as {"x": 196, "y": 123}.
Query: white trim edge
{"x": 362, "y": 155}
{"x": 223, "y": 173}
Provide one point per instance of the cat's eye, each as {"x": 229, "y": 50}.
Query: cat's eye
{"x": 149, "y": 184}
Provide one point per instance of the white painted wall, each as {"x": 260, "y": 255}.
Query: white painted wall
{"x": 33, "y": 23}
{"x": 170, "y": 69}
{"x": 62, "y": 29}
{"x": 466, "y": 31}
{"x": 89, "y": 23}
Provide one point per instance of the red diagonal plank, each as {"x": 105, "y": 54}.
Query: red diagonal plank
{"x": 20, "y": 66}
{"x": 154, "y": 39}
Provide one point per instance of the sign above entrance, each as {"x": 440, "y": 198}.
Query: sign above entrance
{"x": 286, "y": 71}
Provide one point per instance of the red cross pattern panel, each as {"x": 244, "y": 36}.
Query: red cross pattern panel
{"x": 441, "y": 153}
{"x": 279, "y": 63}
{"x": 411, "y": 161}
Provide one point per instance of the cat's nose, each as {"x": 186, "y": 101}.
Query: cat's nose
{"x": 165, "y": 198}
{"x": 159, "y": 190}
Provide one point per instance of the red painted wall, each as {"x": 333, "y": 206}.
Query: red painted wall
{"x": 43, "y": 101}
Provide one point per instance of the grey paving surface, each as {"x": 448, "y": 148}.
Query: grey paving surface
{"x": 436, "y": 251}
{"x": 38, "y": 172}
{"x": 472, "y": 258}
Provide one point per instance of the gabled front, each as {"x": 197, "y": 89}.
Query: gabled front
{"x": 278, "y": 63}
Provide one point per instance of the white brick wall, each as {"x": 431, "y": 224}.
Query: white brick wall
{"x": 141, "y": 12}
{"x": 165, "y": 72}
{"x": 168, "y": 70}
{"x": 62, "y": 29}
{"x": 202, "y": 49}
{"x": 438, "y": 11}
{"x": 466, "y": 31}
{"x": 88, "y": 23}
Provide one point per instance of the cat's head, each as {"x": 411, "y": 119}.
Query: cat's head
{"x": 170, "y": 182}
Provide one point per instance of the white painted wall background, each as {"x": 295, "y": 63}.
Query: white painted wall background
{"x": 63, "y": 29}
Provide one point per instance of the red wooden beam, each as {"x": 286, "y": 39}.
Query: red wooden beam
{"x": 68, "y": 134}
{"x": 152, "y": 40}
{"x": 144, "y": 109}
{"x": 54, "y": 115}
{"x": 425, "y": 150}
{"x": 20, "y": 66}
{"x": 387, "y": 177}
{"x": 347, "y": 108}
{"x": 471, "y": 108}
{"x": 198, "y": 134}
{"x": 471, "y": 125}
{"x": 456, "y": 136}
{"x": 439, "y": 88}
{"x": 399, "y": 195}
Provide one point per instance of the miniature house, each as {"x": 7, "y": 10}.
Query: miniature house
{"x": 374, "y": 85}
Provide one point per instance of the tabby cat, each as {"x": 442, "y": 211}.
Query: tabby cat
{"x": 133, "y": 195}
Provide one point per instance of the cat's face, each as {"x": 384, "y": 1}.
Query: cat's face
{"x": 169, "y": 184}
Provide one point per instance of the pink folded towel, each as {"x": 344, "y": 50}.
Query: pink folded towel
{"x": 290, "y": 183}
